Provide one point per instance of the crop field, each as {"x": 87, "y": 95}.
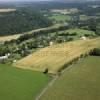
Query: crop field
{"x": 18, "y": 84}
{"x": 55, "y": 56}
{"x": 81, "y": 81}
{"x": 7, "y": 10}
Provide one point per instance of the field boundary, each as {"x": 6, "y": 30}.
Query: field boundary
{"x": 48, "y": 86}
{"x": 68, "y": 66}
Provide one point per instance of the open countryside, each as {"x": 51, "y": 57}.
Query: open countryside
{"x": 17, "y": 84}
{"x": 50, "y": 50}
{"x": 47, "y": 58}
{"x": 78, "y": 82}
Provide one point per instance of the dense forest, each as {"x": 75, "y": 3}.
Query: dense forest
{"x": 22, "y": 20}
{"x": 29, "y": 16}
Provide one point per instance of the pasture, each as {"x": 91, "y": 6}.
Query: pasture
{"x": 80, "y": 32}
{"x": 18, "y": 84}
{"x": 54, "y": 57}
{"x": 60, "y": 17}
{"x": 79, "y": 81}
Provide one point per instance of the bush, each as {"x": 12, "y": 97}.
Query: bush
{"x": 95, "y": 52}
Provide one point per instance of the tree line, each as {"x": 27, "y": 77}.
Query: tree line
{"x": 22, "y": 20}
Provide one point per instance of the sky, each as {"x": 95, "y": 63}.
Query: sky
{"x": 44, "y": 0}
{"x": 22, "y": 0}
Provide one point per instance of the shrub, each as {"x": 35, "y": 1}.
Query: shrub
{"x": 95, "y": 52}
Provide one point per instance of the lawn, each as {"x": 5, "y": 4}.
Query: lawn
{"x": 18, "y": 84}
{"x": 80, "y": 81}
{"x": 54, "y": 57}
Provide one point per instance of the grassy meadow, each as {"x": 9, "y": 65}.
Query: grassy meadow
{"x": 80, "y": 81}
{"x": 60, "y": 17}
{"x": 18, "y": 84}
{"x": 80, "y": 31}
{"x": 55, "y": 56}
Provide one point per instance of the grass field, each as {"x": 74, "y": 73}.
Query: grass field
{"x": 60, "y": 17}
{"x": 55, "y": 56}
{"x": 80, "y": 32}
{"x": 18, "y": 84}
{"x": 80, "y": 81}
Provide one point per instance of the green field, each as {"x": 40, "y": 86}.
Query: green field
{"x": 80, "y": 81}
{"x": 60, "y": 17}
{"x": 80, "y": 32}
{"x": 18, "y": 84}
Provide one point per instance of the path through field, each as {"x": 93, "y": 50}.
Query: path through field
{"x": 50, "y": 84}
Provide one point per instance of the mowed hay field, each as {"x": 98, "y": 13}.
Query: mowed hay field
{"x": 7, "y": 10}
{"x": 18, "y": 84}
{"x": 8, "y": 38}
{"x": 80, "y": 81}
{"x": 55, "y": 56}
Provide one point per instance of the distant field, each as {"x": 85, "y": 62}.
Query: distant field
{"x": 60, "y": 17}
{"x": 80, "y": 81}
{"x": 80, "y": 32}
{"x": 7, "y": 10}
{"x": 18, "y": 84}
{"x": 85, "y": 17}
{"x": 65, "y": 11}
{"x": 54, "y": 57}
{"x": 8, "y": 38}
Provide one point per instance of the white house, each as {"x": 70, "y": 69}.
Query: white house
{"x": 3, "y": 57}
{"x": 83, "y": 38}
{"x": 51, "y": 43}
{"x": 14, "y": 61}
